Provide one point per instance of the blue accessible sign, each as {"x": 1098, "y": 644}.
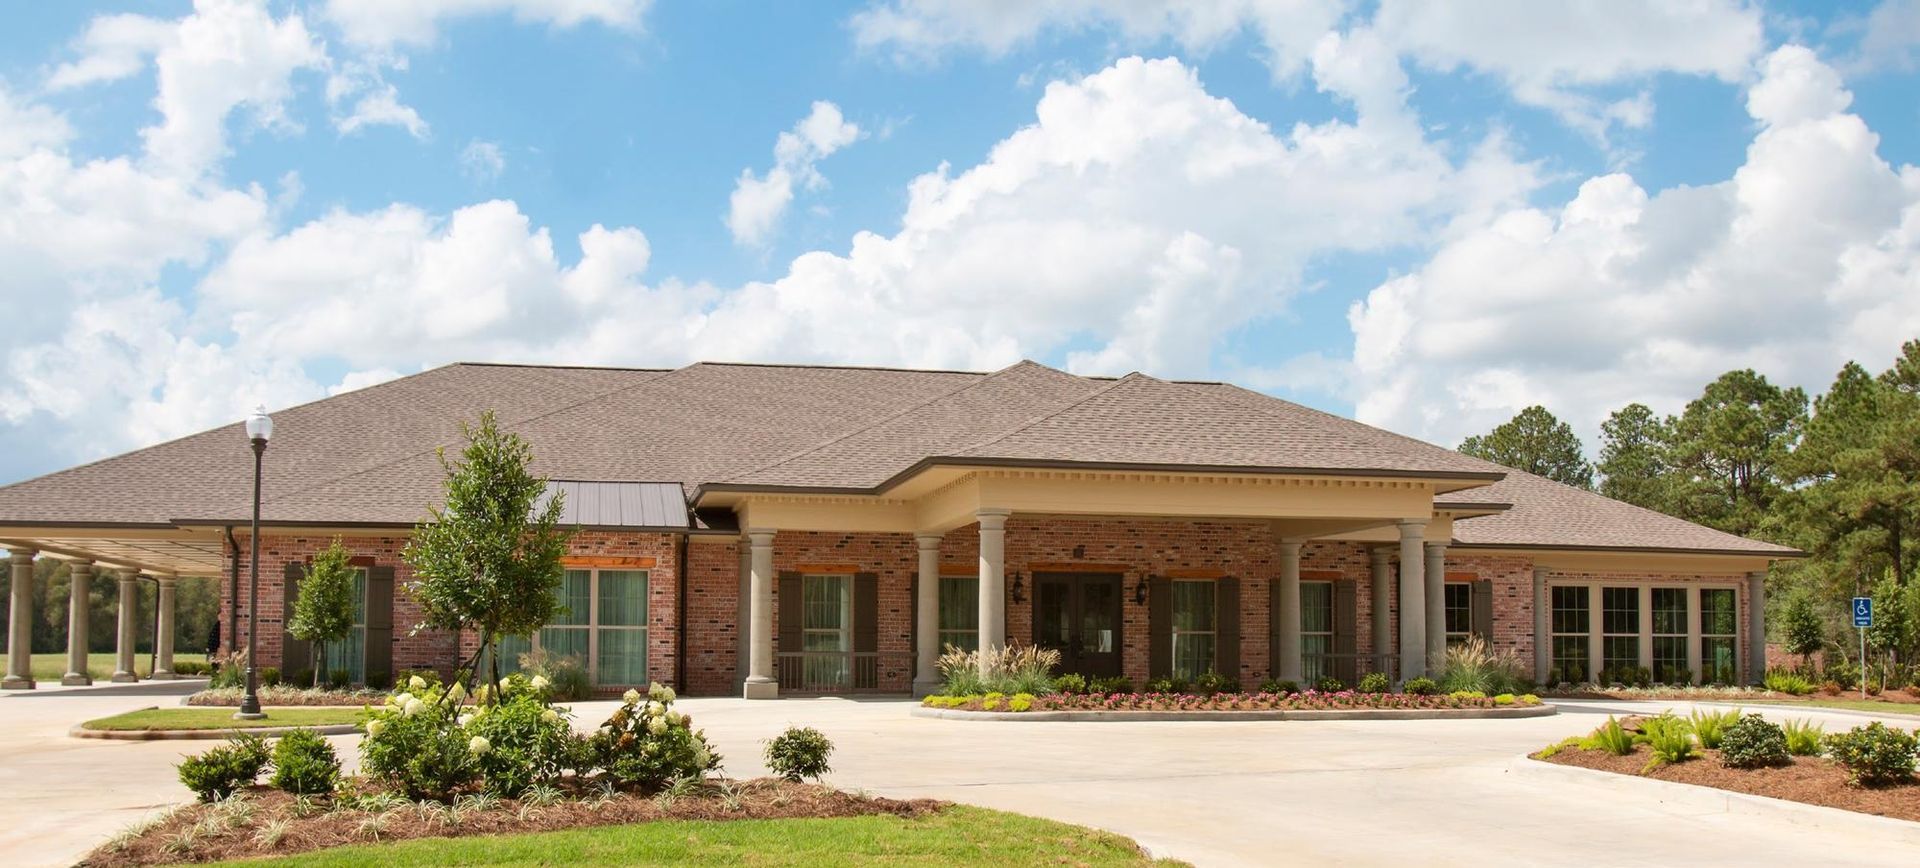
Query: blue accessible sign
{"x": 1862, "y": 611}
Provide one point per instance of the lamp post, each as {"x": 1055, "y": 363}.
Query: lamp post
{"x": 259, "y": 429}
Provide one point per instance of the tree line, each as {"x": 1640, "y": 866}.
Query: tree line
{"x": 196, "y": 607}
{"x": 1836, "y": 476}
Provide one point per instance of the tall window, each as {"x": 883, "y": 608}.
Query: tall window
{"x": 601, "y": 622}
{"x": 1316, "y": 630}
{"x": 350, "y": 653}
{"x": 1459, "y": 612}
{"x": 1718, "y": 623}
{"x": 1571, "y": 621}
{"x": 1620, "y": 628}
{"x": 960, "y": 612}
{"x": 1194, "y": 624}
{"x": 826, "y": 624}
{"x": 1670, "y": 630}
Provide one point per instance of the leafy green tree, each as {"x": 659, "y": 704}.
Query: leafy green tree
{"x": 1537, "y": 442}
{"x": 1857, "y": 507}
{"x": 324, "y": 610}
{"x": 1806, "y": 631}
{"x": 1893, "y": 631}
{"x": 487, "y": 561}
{"x": 1730, "y": 446}
{"x": 1633, "y": 467}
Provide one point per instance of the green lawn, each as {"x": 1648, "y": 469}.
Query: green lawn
{"x": 957, "y": 836}
{"x": 1911, "y": 709}
{"x": 222, "y": 718}
{"x": 49, "y": 667}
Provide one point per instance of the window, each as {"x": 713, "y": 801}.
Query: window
{"x": 1194, "y": 625}
{"x": 1619, "y": 628}
{"x": 1670, "y": 631}
{"x": 601, "y": 621}
{"x": 826, "y": 624}
{"x": 960, "y": 612}
{"x": 1571, "y": 622}
{"x": 1459, "y": 612}
{"x": 1316, "y": 630}
{"x": 350, "y": 653}
{"x": 1718, "y": 623}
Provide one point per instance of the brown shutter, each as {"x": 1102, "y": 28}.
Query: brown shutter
{"x": 1346, "y": 620}
{"x": 1159, "y": 627}
{"x": 790, "y": 612}
{"x": 1482, "y": 598}
{"x": 866, "y": 612}
{"x": 379, "y": 639}
{"x": 295, "y": 656}
{"x": 1227, "y": 629}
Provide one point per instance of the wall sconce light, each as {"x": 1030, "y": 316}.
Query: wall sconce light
{"x": 1019, "y": 589}
{"x": 1140, "y": 591}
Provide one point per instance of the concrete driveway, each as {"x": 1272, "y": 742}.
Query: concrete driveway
{"x": 1252, "y": 793}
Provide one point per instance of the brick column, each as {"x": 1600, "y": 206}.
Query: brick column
{"x": 761, "y": 683}
{"x": 20, "y": 623}
{"x": 1757, "y": 628}
{"x": 1413, "y": 600}
{"x": 993, "y": 581}
{"x": 163, "y": 632}
{"x": 1542, "y": 627}
{"x": 128, "y": 632}
{"x": 1286, "y": 615}
{"x": 1436, "y": 570}
{"x": 926, "y": 628}
{"x": 1381, "y": 578}
{"x": 77, "y": 603}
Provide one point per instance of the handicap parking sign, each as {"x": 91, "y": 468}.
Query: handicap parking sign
{"x": 1862, "y": 611}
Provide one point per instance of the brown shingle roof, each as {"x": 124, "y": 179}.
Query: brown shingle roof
{"x": 1548, "y": 514}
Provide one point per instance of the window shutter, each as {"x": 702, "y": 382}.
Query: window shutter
{"x": 1227, "y": 629}
{"x": 1159, "y": 627}
{"x": 790, "y": 637}
{"x": 1482, "y": 598}
{"x": 295, "y": 656}
{"x": 379, "y": 633}
{"x": 1346, "y": 620}
{"x": 866, "y": 612}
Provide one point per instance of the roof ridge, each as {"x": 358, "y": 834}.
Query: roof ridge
{"x": 809, "y": 450}
{"x": 823, "y": 367}
{"x": 1029, "y": 423}
{"x": 553, "y": 367}
{"x": 1242, "y": 390}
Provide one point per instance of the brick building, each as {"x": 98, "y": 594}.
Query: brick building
{"x": 764, "y": 528}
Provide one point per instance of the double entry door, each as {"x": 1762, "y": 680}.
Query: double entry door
{"x": 1078, "y": 614}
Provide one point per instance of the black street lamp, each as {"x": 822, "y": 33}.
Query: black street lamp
{"x": 259, "y": 429}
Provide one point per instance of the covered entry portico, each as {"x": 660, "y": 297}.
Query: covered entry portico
{"x": 1270, "y": 517}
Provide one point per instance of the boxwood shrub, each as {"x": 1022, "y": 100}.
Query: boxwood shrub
{"x": 1752, "y": 742}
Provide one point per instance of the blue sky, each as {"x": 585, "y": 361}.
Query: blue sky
{"x": 1426, "y": 215}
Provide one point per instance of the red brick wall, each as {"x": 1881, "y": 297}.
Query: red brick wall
{"x": 713, "y": 634}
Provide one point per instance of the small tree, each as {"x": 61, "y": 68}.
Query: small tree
{"x": 324, "y": 611}
{"x": 486, "y": 561}
{"x": 1806, "y": 633}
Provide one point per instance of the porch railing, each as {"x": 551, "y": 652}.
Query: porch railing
{"x": 844, "y": 671}
{"x": 1347, "y": 667}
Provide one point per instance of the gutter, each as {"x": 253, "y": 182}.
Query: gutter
{"x": 233, "y": 593}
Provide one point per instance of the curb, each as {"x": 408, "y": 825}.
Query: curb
{"x": 80, "y": 731}
{"x": 1701, "y": 798}
{"x": 1544, "y": 710}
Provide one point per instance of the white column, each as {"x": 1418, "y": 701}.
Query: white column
{"x": 1542, "y": 626}
{"x": 993, "y": 581}
{"x": 1413, "y": 601}
{"x": 20, "y": 623}
{"x": 1381, "y": 579}
{"x": 163, "y": 633}
{"x": 1693, "y": 635}
{"x": 77, "y": 602}
{"x": 760, "y": 682}
{"x": 926, "y": 628}
{"x": 1646, "y": 628}
{"x": 1757, "y": 628}
{"x": 743, "y": 616}
{"x": 1436, "y": 570}
{"x": 1287, "y": 613}
{"x": 129, "y": 607}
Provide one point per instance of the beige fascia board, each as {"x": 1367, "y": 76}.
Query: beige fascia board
{"x": 835, "y": 513}
{"x": 1439, "y": 529}
{"x": 1570, "y": 559}
{"x": 1199, "y": 496}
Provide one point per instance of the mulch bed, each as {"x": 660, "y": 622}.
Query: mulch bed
{"x": 216, "y": 836}
{"x": 1811, "y": 780}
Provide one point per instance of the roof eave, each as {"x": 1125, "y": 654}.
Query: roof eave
{"x": 1787, "y": 554}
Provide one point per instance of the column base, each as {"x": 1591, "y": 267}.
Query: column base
{"x": 242, "y": 715}
{"x": 74, "y": 679}
{"x": 163, "y": 675}
{"x": 125, "y": 678}
{"x": 928, "y": 687}
{"x": 762, "y": 689}
{"x": 15, "y": 682}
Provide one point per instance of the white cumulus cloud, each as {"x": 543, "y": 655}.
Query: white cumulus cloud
{"x": 759, "y": 201}
{"x": 382, "y": 24}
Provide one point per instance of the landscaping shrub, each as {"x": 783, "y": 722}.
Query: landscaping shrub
{"x": 1751, "y": 742}
{"x": 190, "y": 667}
{"x": 1114, "y": 684}
{"x": 1710, "y": 726}
{"x": 1610, "y": 737}
{"x": 1843, "y": 673}
{"x": 428, "y": 679}
{"x": 1803, "y": 737}
{"x": 1375, "y": 682}
{"x": 1023, "y": 669}
{"x": 1422, "y": 686}
{"x": 415, "y": 744}
{"x": 1070, "y": 683}
{"x": 1329, "y": 684}
{"x": 1787, "y": 681}
{"x": 1874, "y": 754}
{"x": 647, "y": 745}
{"x": 1670, "y": 739}
{"x": 268, "y": 676}
{"x": 1213, "y": 682}
{"x": 1472, "y": 665}
{"x": 1284, "y": 687}
{"x": 219, "y": 772}
{"x": 1468, "y": 694}
{"x": 799, "y": 753}
{"x": 305, "y": 764}
{"x": 521, "y": 741}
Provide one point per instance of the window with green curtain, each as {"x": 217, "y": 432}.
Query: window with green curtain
{"x": 1316, "y": 630}
{"x": 620, "y": 628}
{"x": 350, "y": 653}
{"x": 826, "y": 625}
{"x": 960, "y": 612}
{"x": 566, "y": 634}
{"x": 1719, "y": 624}
{"x": 1194, "y": 623}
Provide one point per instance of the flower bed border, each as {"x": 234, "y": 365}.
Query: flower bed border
{"x": 1500, "y": 712}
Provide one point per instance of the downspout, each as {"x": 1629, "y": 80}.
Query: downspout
{"x": 680, "y": 616}
{"x": 233, "y": 594}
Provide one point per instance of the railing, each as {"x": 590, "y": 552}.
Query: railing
{"x": 1347, "y": 667}
{"x": 844, "y": 671}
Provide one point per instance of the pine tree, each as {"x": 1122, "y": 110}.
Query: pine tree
{"x": 1537, "y": 442}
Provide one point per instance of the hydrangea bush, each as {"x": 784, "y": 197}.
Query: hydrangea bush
{"x": 646, "y": 745}
{"x": 415, "y": 742}
{"x": 521, "y": 740}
